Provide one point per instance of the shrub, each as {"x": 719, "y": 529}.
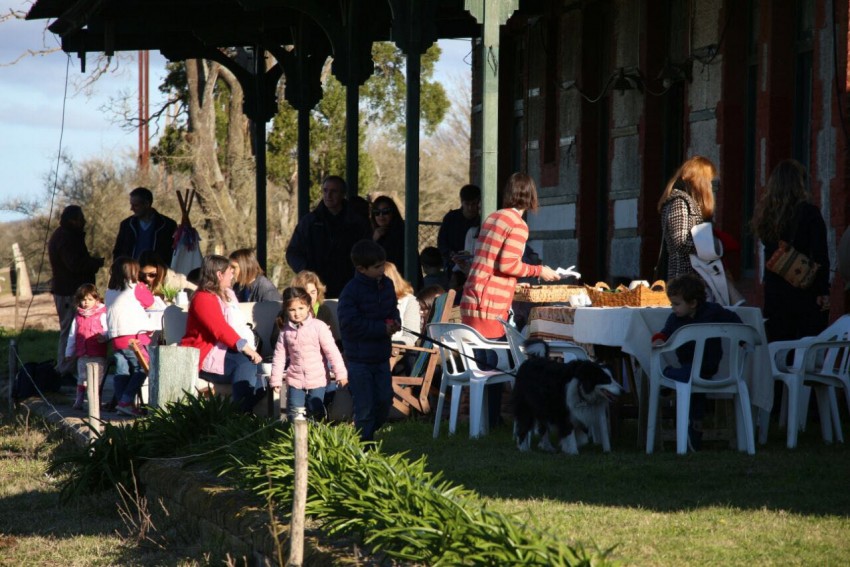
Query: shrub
{"x": 396, "y": 506}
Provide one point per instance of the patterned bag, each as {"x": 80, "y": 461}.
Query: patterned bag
{"x": 795, "y": 267}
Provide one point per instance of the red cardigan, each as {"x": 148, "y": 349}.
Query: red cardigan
{"x": 207, "y": 326}
{"x": 489, "y": 290}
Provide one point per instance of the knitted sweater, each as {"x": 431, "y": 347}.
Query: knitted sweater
{"x": 305, "y": 347}
{"x": 679, "y": 215}
{"x": 489, "y": 289}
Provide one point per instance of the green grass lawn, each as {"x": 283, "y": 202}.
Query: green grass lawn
{"x": 713, "y": 507}
{"x": 718, "y": 506}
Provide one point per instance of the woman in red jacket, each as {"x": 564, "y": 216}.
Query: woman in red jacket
{"x": 226, "y": 357}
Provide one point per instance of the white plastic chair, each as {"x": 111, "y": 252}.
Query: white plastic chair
{"x": 461, "y": 370}
{"x": 173, "y": 324}
{"x": 566, "y": 349}
{"x": 833, "y": 362}
{"x": 821, "y": 364}
{"x": 737, "y": 340}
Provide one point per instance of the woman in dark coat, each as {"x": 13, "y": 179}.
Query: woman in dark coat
{"x": 388, "y": 229}
{"x": 785, "y": 213}
{"x": 250, "y": 284}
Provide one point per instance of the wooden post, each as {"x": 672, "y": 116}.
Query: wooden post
{"x": 23, "y": 279}
{"x": 299, "y": 496}
{"x": 93, "y": 379}
{"x": 13, "y": 372}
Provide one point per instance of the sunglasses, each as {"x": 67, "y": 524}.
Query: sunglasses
{"x": 148, "y": 274}
{"x": 380, "y": 212}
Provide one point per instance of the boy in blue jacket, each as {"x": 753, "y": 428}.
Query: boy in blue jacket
{"x": 368, "y": 317}
{"x": 688, "y": 298}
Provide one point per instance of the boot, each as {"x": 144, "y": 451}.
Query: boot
{"x": 81, "y": 396}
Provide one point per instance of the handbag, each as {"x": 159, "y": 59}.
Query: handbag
{"x": 795, "y": 267}
{"x": 660, "y": 270}
{"x": 708, "y": 262}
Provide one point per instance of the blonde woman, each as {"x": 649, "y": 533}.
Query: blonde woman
{"x": 688, "y": 200}
{"x": 408, "y": 306}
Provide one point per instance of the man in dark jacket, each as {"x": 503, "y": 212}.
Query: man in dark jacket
{"x": 457, "y": 222}
{"x": 323, "y": 239}
{"x": 146, "y": 229}
{"x": 72, "y": 266}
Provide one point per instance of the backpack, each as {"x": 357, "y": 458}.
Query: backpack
{"x": 35, "y": 377}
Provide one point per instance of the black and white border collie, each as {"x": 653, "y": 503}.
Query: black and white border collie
{"x": 571, "y": 398}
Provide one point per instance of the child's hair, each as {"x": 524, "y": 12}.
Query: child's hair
{"x": 401, "y": 285}
{"x": 305, "y": 277}
{"x": 430, "y": 292}
{"x": 291, "y": 295}
{"x": 689, "y": 287}
{"x": 87, "y": 289}
{"x": 366, "y": 253}
{"x": 426, "y": 297}
{"x": 124, "y": 270}
{"x": 430, "y": 258}
{"x": 249, "y": 266}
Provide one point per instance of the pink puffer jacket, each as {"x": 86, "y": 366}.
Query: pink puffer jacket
{"x": 306, "y": 346}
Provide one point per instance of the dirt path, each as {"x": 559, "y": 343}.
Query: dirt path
{"x": 41, "y": 315}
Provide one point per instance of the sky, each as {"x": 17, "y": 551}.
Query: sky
{"x": 31, "y": 101}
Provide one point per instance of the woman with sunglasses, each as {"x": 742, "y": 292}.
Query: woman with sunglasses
{"x": 388, "y": 229}
{"x": 156, "y": 275}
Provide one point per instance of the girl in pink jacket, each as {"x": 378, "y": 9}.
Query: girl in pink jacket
{"x": 308, "y": 346}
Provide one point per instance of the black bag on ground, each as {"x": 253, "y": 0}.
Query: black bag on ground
{"x": 36, "y": 377}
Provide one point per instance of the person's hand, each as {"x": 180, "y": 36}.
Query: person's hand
{"x": 342, "y": 382}
{"x": 252, "y": 354}
{"x": 549, "y": 275}
{"x": 823, "y": 302}
{"x": 393, "y": 326}
{"x": 379, "y": 233}
{"x": 276, "y": 389}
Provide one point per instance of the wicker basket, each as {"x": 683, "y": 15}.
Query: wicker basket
{"x": 640, "y": 296}
{"x": 547, "y": 293}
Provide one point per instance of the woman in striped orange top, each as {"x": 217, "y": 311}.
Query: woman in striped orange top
{"x": 489, "y": 289}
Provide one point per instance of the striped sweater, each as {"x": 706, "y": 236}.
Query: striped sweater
{"x": 489, "y": 289}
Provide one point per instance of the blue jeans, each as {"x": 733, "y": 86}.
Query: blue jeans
{"x": 127, "y": 386}
{"x": 312, "y": 399}
{"x": 242, "y": 374}
{"x": 371, "y": 389}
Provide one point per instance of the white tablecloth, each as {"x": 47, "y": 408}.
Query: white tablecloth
{"x": 631, "y": 329}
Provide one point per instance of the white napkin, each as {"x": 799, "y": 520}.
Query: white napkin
{"x": 567, "y": 272}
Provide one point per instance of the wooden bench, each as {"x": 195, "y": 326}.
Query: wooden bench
{"x": 262, "y": 317}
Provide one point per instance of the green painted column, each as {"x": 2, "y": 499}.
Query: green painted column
{"x": 491, "y": 14}
{"x": 414, "y": 32}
